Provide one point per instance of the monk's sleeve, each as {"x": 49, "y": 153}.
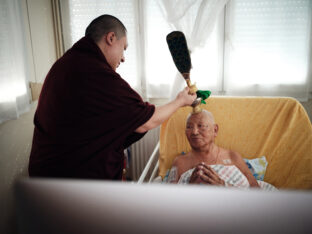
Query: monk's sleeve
{"x": 117, "y": 109}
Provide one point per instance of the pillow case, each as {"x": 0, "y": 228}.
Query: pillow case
{"x": 257, "y": 166}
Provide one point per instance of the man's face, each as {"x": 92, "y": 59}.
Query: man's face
{"x": 200, "y": 131}
{"x": 117, "y": 48}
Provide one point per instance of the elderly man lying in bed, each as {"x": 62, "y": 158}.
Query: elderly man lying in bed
{"x": 208, "y": 163}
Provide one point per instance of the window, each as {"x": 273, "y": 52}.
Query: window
{"x": 267, "y": 47}
{"x": 257, "y": 47}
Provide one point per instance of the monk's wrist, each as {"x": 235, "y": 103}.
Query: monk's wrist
{"x": 179, "y": 102}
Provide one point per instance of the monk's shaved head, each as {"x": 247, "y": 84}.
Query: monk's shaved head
{"x": 206, "y": 113}
{"x": 201, "y": 130}
{"x": 103, "y": 25}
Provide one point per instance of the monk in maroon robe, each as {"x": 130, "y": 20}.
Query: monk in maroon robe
{"x": 87, "y": 114}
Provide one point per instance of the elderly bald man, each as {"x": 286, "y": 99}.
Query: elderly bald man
{"x": 208, "y": 163}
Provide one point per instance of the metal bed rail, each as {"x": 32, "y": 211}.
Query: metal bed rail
{"x": 148, "y": 166}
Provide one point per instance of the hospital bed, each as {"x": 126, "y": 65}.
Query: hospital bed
{"x": 275, "y": 127}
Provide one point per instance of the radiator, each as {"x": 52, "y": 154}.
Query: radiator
{"x": 140, "y": 153}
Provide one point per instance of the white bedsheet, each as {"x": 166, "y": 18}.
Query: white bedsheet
{"x": 231, "y": 175}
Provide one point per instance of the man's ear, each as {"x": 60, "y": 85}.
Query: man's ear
{"x": 216, "y": 129}
{"x": 110, "y": 38}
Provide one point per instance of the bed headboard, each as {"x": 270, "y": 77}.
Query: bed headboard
{"x": 278, "y": 128}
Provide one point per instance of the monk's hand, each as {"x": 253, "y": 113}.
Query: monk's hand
{"x": 185, "y": 98}
{"x": 208, "y": 175}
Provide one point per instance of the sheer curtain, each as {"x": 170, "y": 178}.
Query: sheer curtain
{"x": 268, "y": 44}
{"x": 14, "y": 98}
{"x": 197, "y": 20}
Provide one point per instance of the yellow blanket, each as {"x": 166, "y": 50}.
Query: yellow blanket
{"x": 278, "y": 128}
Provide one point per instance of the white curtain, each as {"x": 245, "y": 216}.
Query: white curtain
{"x": 196, "y": 19}
{"x": 14, "y": 98}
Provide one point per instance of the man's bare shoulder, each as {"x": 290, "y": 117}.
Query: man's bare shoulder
{"x": 236, "y": 158}
{"x": 182, "y": 159}
{"x": 183, "y": 163}
{"x": 232, "y": 155}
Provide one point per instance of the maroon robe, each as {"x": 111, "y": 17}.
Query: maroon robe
{"x": 86, "y": 117}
